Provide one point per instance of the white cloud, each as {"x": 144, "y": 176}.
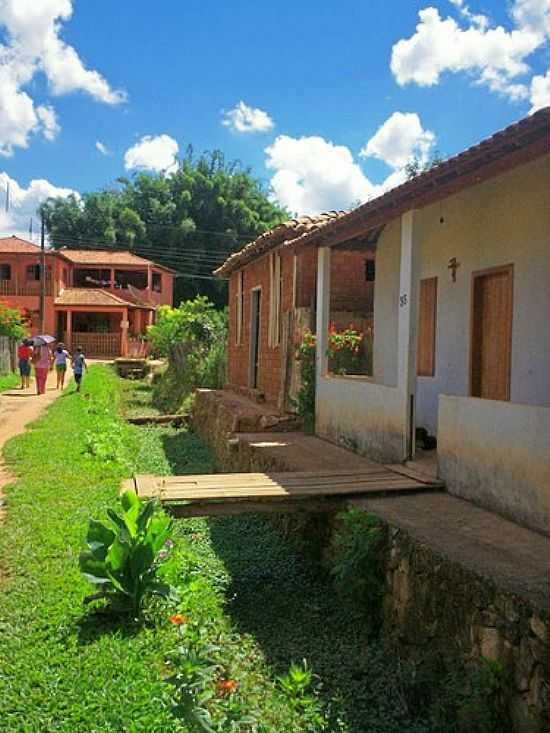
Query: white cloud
{"x": 312, "y": 174}
{"x": 153, "y": 153}
{"x": 33, "y": 45}
{"x": 23, "y": 204}
{"x": 400, "y": 139}
{"x": 48, "y": 120}
{"x": 540, "y": 92}
{"x": 493, "y": 55}
{"x": 102, "y": 148}
{"x": 243, "y": 118}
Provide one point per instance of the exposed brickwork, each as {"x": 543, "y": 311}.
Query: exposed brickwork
{"x": 349, "y": 292}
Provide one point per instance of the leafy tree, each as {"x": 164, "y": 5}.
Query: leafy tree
{"x": 415, "y": 166}
{"x": 189, "y": 220}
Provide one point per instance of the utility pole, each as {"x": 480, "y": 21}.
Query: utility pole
{"x": 42, "y": 277}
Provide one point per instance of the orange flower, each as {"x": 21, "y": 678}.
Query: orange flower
{"x": 178, "y": 619}
{"x": 226, "y": 687}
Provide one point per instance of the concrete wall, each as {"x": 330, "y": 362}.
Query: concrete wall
{"x": 500, "y": 222}
{"x": 497, "y": 454}
{"x": 365, "y": 417}
{"x": 386, "y": 305}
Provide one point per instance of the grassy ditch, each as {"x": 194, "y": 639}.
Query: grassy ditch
{"x": 252, "y": 608}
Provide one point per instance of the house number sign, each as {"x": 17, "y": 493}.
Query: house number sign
{"x": 403, "y": 300}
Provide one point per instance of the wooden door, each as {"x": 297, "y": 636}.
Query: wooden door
{"x": 492, "y": 333}
{"x": 255, "y": 312}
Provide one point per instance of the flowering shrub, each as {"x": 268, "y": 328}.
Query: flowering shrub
{"x": 345, "y": 350}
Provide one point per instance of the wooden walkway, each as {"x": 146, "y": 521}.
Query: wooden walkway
{"x": 310, "y": 491}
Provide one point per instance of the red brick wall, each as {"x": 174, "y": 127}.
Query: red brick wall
{"x": 349, "y": 292}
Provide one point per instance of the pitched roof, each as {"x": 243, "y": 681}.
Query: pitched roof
{"x": 281, "y": 234}
{"x": 102, "y": 257}
{"x": 517, "y": 144}
{"x": 16, "y": 245}
{"x": 91, "y": 297}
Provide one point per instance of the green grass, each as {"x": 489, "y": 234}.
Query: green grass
{"x": 8, "y": 381}
{"x": 254, "y": 604}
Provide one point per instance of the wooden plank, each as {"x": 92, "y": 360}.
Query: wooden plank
{"x": 279, "y": 475}
{"x": 173, "y": 485}
{"x": 269, "y": 493}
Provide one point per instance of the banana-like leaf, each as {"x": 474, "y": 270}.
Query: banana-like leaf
{"x": 117, "y": 555}
{"x": 146, "y": 514}
{"x": 91, "y": 566}
{"x": 141, "y": 560}
{"x": 99, "y": 538}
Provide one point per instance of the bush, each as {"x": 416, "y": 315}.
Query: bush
{"x": 11, "y": 322}
{"x": 124, "y": 553}
{"x": 193, "y": 337}
{"x": 305, "y": 399}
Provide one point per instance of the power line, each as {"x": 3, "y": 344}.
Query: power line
{"x": 89, "y": 244}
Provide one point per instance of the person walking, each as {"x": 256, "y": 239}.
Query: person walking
{"x": 24, "y": 353}
{"x": 79, "y": 365}
{"x": 60, "y": 356}
{"x": 41, "y": 358}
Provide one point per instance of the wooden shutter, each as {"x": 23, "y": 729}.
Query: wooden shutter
{"x": 239, "y": 309}
{"x": 427, "y": 325}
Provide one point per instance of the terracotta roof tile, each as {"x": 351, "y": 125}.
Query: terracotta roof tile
{"x": 91, "y": 297}
{"x": 102, "y": 257}
{"x": 281, "y": 234}
{"x": 15, "y": 245}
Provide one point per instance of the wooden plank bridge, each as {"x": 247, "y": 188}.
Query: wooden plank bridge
{"x": 309, "y": 491}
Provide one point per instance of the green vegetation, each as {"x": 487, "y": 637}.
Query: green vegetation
{"x": 305, "y": 399}
{"x": 187, "y": 220}
{"x": 8, "y": 381}
{"x": 124, "y": 555}
{"x": 193, "y": 337}
{"x": 11, "y": 322}
{"x": 228, "y": 656}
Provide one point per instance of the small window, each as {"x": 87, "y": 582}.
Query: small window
{"x": 33, "y": 272}
{"x": 370, "y": 271}
{"x": 427, "y": 326}
{"x": 5, "y": 272}
{"x": 157, "y": 282}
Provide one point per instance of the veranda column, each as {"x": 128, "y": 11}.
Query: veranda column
{"x": 69, "y": 330}
{"x": 124, "y": 335}
{"x": 323, "y": 310}
{"x": 407, "y": 329}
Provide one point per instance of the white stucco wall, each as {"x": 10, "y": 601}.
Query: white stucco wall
{"x": 386, "y": 305}
{"x": 500, "y": 222}
{"x": 497, "y": 454}
{"x": 365, "y": 417}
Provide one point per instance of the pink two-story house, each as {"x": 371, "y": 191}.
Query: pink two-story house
{"x": 100, "y": 300}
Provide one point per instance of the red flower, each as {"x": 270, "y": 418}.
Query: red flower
{"x": 178, "y": 619}
{"x": 226, "y": 687}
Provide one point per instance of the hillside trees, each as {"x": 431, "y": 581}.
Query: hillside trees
{"x": 189, "y": 220}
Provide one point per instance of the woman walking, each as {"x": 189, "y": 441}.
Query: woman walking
{"x": 60, "y": 356}
{"x": 41, "y": 359}
{"x": 24, "y": 353}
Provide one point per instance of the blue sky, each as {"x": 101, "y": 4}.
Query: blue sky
{"x": 335, "y": 99}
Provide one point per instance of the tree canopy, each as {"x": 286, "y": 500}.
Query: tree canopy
{"x": 189, "y": 220}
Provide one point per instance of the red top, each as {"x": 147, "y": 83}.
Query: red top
{"x": 24, "y": 352}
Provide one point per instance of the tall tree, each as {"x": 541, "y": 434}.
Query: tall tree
{"x": 189, "y": 220}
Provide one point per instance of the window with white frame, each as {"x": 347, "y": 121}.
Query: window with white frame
{"x": 275, "y": 299}
{"x": 239, "y": 308}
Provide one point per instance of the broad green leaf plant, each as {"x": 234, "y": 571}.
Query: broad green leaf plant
{"x": 124, "y": 554}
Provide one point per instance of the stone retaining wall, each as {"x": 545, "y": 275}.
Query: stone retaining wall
{"x": 435, "y": 606}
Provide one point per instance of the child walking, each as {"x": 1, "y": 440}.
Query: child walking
{"x": 24, "y": 353}
{"x": 60, "y": 356}
{"x": 79, "y": 365}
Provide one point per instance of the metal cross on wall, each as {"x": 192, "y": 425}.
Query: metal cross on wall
{"x": 453, "y": 267}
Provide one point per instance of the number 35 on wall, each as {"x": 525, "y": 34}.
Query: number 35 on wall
{"x": 403, "y": 300}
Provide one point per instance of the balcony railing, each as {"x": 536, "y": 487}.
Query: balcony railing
{"x": 31, "y": 287}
